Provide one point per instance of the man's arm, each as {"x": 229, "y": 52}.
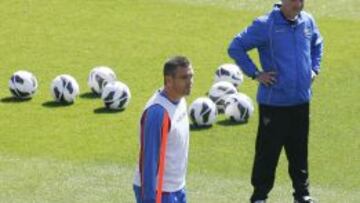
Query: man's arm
{"x": 316, "y": 49}
{"x": 151, "y": 139}
{"x": 253, "y": 36}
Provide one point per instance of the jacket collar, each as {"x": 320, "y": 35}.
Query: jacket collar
{"x": 279, "y": 17}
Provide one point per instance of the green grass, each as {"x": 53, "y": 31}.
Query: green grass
{"x": 73, "y": 154}
{"x": 340, "y": 9}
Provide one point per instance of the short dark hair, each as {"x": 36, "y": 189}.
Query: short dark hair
{"x": 173, "y": 63}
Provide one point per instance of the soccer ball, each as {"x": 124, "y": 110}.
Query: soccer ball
{"x": 64, "y": 88}
{"x": 99, "y": 77}
{"x": 240, "y": 96}
{"x": 239, "y": 107}
{"x": 116, "y": 95}
{"x": 23, "y": 84}
{"x": 230, "y": 73}
{"x": 219, "y": 92}
{"x": 203, "y": 112}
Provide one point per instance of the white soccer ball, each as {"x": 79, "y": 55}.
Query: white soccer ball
{"x": 116, "y": 95}
{"x": 230, "y": 73}
{"x": 23, "y": 84}
{"x": 64, "y": 88}
{"x": 203, "y": 112}
{"x": 239, "y": 107}
{"x": 99, "y": 77}
{"x": 219, "y": 92}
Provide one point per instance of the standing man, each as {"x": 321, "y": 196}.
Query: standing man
{"x": 164, "y": 138}
{"x": 290, "y": 49}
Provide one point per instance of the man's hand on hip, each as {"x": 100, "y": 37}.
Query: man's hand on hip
{"x": 266, "y": 78}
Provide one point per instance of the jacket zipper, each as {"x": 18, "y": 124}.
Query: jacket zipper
{"x": 296, "y": 63}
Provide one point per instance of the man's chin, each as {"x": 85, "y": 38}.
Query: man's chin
{"x": 297, "y": 12}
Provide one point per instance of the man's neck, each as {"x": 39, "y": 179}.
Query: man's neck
{"x": 171, "y": 96}
{"x": 287, "y": 16}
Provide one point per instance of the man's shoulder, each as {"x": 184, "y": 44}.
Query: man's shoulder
{"x": 307, "y": 16}
{"x": 261, "y": 23}
{"x": 155, "y": 113}
{"x": 264, "y": 19}
{"x": 155, "y": 109}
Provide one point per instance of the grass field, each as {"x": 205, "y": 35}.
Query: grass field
{"x": 80, "y": 153}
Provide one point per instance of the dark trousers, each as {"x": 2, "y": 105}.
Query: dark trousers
{"x": 280, "y": 127}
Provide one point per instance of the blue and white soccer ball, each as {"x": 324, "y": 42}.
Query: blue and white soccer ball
{"x": 230, "y": 73}
{"x": 23, "y": 84}
{"x": 64, "y": 88}
{"x": 203, "y": 112}
{"x": 239, "y": 107}
{"x": 116, "y": 95}
{"x": 219, "y": 92}
{"x": 99, "y": 77}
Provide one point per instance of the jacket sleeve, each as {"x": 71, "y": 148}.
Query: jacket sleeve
{"x": 316, "y": 48}
{"x": 154, "y": 119}
{"x": 253, "y": 36}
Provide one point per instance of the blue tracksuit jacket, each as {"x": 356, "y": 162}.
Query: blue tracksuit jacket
{"x": 292, "y": 49}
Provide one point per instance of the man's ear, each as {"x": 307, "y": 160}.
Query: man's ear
{"x": 167, "y": 80}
